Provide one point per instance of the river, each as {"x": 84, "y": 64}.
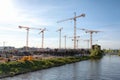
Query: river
{"x": 107, "y": 68}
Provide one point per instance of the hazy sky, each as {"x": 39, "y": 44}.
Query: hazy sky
{"x": 103, "y": 15}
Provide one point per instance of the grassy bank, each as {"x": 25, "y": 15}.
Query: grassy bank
{"x": 15, "y": 68}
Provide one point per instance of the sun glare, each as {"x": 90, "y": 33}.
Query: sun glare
{"x": 7, "y": 10}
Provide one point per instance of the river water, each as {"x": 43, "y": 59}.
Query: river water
{"x": 107, "y": 68}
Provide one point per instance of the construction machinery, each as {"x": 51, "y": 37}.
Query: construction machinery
{"x": 74, "y": 18}
{"x": 60, "y": 29}
{"x": 77, "y": 40}
{"x": 87, "y": 40}
{"x": 42, "y": 32}
{"x": 91, "y": 32}
{"x": 27, "y": 36}
{"x": 65, "y": 40}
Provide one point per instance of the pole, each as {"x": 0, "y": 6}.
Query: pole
{"x": 27, "y": 39}
{"x": 75, "y": 31}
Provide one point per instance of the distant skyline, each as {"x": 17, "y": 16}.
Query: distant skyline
{"x": 102, "y": 15}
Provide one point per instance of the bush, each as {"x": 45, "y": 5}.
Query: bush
{"x": 17, "y": 67}
{"x": 96, "y": 52}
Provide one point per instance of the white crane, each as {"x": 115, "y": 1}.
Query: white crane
{"x": 74, "y": 18}
{"x": 27, "y": 36}
{"x": 65, "y": 40}
{"x": 87, "y": 40}
{"x": 77, "y": 40}
{"x": 60, "y": 29}
{"x": 42, "y": 31}
{"x": 91, "y": 32}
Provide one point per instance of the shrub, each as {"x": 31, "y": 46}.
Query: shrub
{"x": 17, "y": 67}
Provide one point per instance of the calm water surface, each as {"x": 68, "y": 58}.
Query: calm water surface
{"x": 108, "y": 68}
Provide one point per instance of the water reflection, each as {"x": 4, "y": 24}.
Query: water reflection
{"x": 95, "y": 69}
{"x": 105, "y": 69}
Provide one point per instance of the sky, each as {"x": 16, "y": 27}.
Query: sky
{"x": 101, "y": 15}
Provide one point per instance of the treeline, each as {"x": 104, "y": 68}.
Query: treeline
{"x": 52, "y": 52}
{"x": 112, "y": 51}
{"x": 64, "y": 52}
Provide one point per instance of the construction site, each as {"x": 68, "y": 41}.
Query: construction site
{"x": 59, "y": 40}
{"x": 8, "y": 53}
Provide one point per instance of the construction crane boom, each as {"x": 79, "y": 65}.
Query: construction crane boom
{"x": 74, "y": 18}
{"x": 76, "y": 37}
{"x": 23, "y": 27}
{"x": 29, "y": 27}
{"x": 60, "y": 29}
{"x": 82, "y": 15}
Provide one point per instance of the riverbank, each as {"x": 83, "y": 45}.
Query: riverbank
{"x": 20, "y": 67}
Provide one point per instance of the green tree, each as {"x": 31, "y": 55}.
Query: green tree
{"x": 96, "y": 52}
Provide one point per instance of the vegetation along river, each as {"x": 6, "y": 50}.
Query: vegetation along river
{"x": 107, "y": 68}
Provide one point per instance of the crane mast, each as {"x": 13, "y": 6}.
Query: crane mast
{"x": 77, "y": 40}
{"x": 65, "y": 40}
{"x": 60, "y": 36}
{"x": 74, "y": 19}
{"x": 87, "y": 40}
{"x": 42, "y": 31}
{"x": 27, "y": 36}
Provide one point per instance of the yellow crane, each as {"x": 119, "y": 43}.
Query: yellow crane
{"x": 90, "y": 32}
{"x": 60, "y": 29}
{"x": 27, "y": 36}
{"x": 74, "y": 18}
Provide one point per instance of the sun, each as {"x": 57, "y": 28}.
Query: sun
{"x": 7, "y": 10}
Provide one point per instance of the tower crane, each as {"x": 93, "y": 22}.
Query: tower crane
{"x": 91, "y": 32}
{"x": 60, "y": 29}
{"x": 65, "y": 40}
{"x": 87, "y": 40}
{"x": 74, "y": 18}
{"x": 27, "y": 36}
{"x": 42, "y": 32}
{"x": 77, "y": 40}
